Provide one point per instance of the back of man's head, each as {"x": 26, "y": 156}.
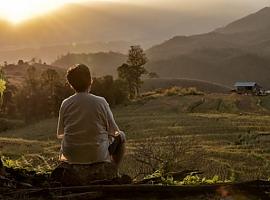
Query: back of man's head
{"x": 79, "y": 77}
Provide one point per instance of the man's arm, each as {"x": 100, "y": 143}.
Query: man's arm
{"x": 111, "y": 124}
{"x": 112, "y": 127}
{"x": 60, "y": 126}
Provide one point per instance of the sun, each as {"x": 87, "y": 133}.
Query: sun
{"x": 17, "y": 11}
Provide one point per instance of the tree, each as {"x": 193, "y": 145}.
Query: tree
{"x": 20, "y": 62}
{"x": 6, "y": 95}
{"x": 103, "y": 86}
{"x": 114, "y": 91}
{"x": 132, "y": 71}
{"x": 7, "y": 103}
{"x": 31, "y": 80}
{"x": 137, "y": 59}
{"x": 40, "y": 95}
{"x": 120, "y": 92}
{"x": 2, "y": 86}
{"x": 50, "y": 78}
{"x": 127, "y": 73}
{"x": 6, "y": 100}
{"x": 33, "y": 60}
{"x": 153, "y": 75}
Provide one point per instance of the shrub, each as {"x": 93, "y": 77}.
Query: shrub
{"x": 178, "y": 91}
{"x": 6, "y": 124}
{"x": 166, "y": 155}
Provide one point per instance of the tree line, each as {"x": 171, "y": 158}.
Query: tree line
{"x": 41, "y": 93}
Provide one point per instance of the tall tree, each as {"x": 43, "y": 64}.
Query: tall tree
{"x": 2, "y": 86}
{"x": 6, "y": 95}
{"x": 127, "y": 73}
{"x": 7, "y": 103}
{"x": 50, "y": 78}
{"x": 31, "y": 80}
{"x": 133, "y": 70}
{"x": 20, "y": 62}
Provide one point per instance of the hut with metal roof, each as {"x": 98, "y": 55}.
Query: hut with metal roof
{"x": 248, "y": 88}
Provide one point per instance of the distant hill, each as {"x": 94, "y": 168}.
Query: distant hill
{"x": 237, "y": 52}
{"x": 97, "y": 22}
{"x": 212, "y": 68}
{"x": 254, "y": 22}
{"x": 49, "y": 35}
{"x": 51, "y": 52}
{"x": 207, "y": 87}
{"x": 101, "y": 64}
{"x": 16, "y": 74}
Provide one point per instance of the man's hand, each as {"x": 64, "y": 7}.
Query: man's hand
{"x": 121, "y": 134}
{"x": 60, "y": 137}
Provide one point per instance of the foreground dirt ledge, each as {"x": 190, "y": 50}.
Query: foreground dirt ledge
{"x": 248, "y": 190}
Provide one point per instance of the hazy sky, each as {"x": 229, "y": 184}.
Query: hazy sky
{"x": 209, "y": 13}
{"x": 197, "y": 4}
{"x": 17, "y": 10}
{"x": 154, "y": 20}
{"x": 236, "y": 7}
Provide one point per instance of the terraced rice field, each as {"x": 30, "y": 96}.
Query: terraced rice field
{"x": 232, "y": 142}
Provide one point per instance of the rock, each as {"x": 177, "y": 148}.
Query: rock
{"x": 71, "y": 175}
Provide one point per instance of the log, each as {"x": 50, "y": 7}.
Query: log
{"x": 81, "y": 196}
{"x": 259, "y": 189}
{"x": 8, "y": 183}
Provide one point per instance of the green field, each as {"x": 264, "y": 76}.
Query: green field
{"x": 219, "y": 134}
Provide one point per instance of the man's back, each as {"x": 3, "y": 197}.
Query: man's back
{"x": 85, "y": 122}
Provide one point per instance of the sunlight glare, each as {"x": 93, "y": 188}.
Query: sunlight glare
{"x": 17, "y": 11}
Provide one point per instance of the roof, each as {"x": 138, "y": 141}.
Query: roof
{"x": 245, "y": 84}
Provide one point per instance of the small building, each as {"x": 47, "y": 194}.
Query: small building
{"x": 248, "y": 88}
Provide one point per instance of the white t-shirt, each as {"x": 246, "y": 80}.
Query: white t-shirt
{"x": 84, "y": 125}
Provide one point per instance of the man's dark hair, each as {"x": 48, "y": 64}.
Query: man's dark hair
{"x": 79, "y": 77}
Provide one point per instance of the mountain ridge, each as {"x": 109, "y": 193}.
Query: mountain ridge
{"x": 252, "y": 22}
{"x": 222, "y": 56}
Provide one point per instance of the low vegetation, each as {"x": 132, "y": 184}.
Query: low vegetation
{"x": 41, "y": 93}
{"x": 172, "y": 91}
{"x": 228, "y": 140}
{"x": 204, "y": 86}
{"x": 220, "y": 137}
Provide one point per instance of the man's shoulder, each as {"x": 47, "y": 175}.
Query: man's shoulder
{"x": 89, "y": 97}
{"x": 98, "y": 99}
{"x": 68, "y": 99}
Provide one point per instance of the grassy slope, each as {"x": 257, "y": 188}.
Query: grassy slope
{"x": 156, "y": 83}
{"x": 214, "y": 125}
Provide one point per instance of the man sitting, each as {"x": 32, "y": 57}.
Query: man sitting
{"x": 92, "y": 145}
